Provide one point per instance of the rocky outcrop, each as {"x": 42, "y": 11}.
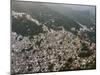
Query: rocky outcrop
{"x": 18, "y": 15}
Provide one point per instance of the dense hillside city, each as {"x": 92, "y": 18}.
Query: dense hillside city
{"x": 50, "y": 37}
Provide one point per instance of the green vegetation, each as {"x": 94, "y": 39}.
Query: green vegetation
{"x": 25, "y": 27}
